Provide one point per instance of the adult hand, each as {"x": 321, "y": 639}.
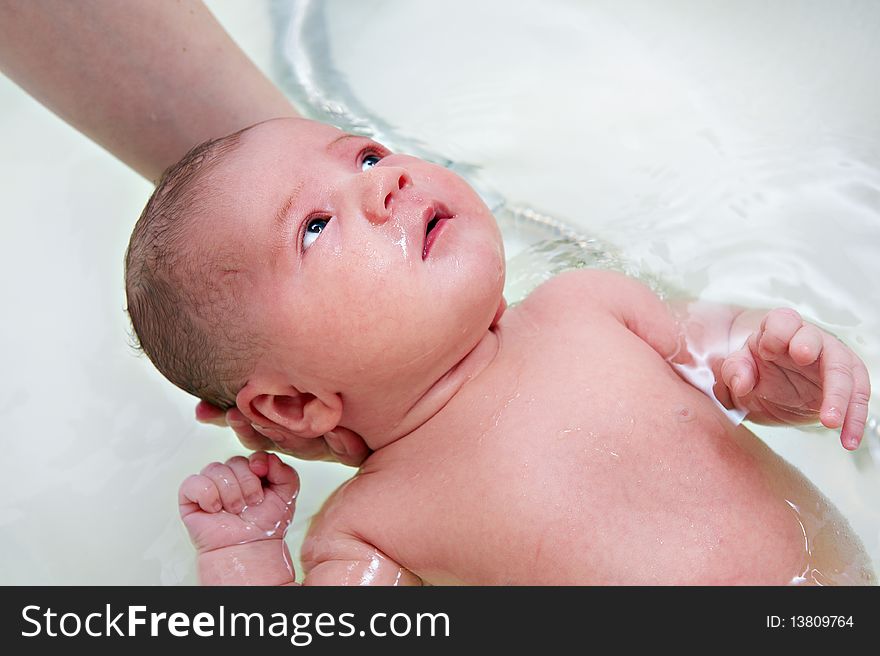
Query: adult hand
{"x": 339, "y": 445}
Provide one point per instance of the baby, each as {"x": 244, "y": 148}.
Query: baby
{"x": 324, "y": 285}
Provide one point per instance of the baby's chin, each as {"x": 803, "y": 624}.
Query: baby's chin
{"x": 502, "y": 308}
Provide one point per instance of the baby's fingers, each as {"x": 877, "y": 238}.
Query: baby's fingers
{"x": 227, "y": 484}
{"x": 836, "y": 369}
{"x": 198, "y": 492}
{"x": 806, "y": 345}
{"x": 248, "y": 481}
{"x": 283, "y": 479}
{"x": 776, "y": 332}
{"x": 857, "y": 410}
{"x": 738, "y": 372}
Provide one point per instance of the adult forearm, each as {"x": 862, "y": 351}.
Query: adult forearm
{"x": 146, "y": 80}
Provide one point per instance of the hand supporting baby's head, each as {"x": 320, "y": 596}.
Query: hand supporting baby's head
{"x": 311, "y": 277}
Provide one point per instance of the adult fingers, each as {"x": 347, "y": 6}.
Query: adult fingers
{"x": 210, "y": 414}
{"x": 245, "y": 431}
{"x": 339, "y": 445}
{"x": 346, "y": 446}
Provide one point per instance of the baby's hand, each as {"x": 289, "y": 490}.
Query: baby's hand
{"x": 243, "y": 500}
{"x": 792, "y": 372}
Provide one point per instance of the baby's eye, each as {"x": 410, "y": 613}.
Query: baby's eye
{"x": 369, "y": 161}
{"x": 314, "y": 228}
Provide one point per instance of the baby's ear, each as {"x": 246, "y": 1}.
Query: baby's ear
{"x": 286, "y": 411}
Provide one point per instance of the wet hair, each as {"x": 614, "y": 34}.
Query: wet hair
{"x": 183, "y": 295}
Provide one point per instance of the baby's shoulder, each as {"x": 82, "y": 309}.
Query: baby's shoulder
{"x": 592, "y": 290}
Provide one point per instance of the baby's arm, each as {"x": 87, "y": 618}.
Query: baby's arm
{"x": 237, "y": 514}
{"x": 346, "y": 560}
{"x": 333, "y": 554}
{"x": 773, "y": 365}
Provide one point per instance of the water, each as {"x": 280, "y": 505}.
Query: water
{"x": 725, "y": 150}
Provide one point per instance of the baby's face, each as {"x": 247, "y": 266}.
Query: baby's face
{"x": 361, "y": 266}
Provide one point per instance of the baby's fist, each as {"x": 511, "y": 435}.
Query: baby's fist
{"x": 241, "y": 500}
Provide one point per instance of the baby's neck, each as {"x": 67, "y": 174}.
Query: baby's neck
{"x": 440, "y": 393}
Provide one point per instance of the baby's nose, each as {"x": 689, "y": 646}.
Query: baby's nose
{"x": 379, "y": 186}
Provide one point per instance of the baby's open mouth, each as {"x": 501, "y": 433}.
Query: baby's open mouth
{"x": 431, "y": 224}
{"x": 436, "y": 220}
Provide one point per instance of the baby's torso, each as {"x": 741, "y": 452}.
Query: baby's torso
{"x": 580, "y": 457}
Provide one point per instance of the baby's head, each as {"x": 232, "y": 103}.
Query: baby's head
{"x": 303, "y": 274}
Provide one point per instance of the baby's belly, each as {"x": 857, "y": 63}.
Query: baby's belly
{"x": 616, "y": 472}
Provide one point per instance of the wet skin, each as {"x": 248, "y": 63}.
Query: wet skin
{"x": 579, "y": 456}
{"x": 549, "y": 444}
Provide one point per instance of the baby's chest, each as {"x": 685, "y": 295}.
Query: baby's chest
{"x": 561, "y": 403}
{"x": 583, "y": 371}
{"x": 529, "y": 448}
